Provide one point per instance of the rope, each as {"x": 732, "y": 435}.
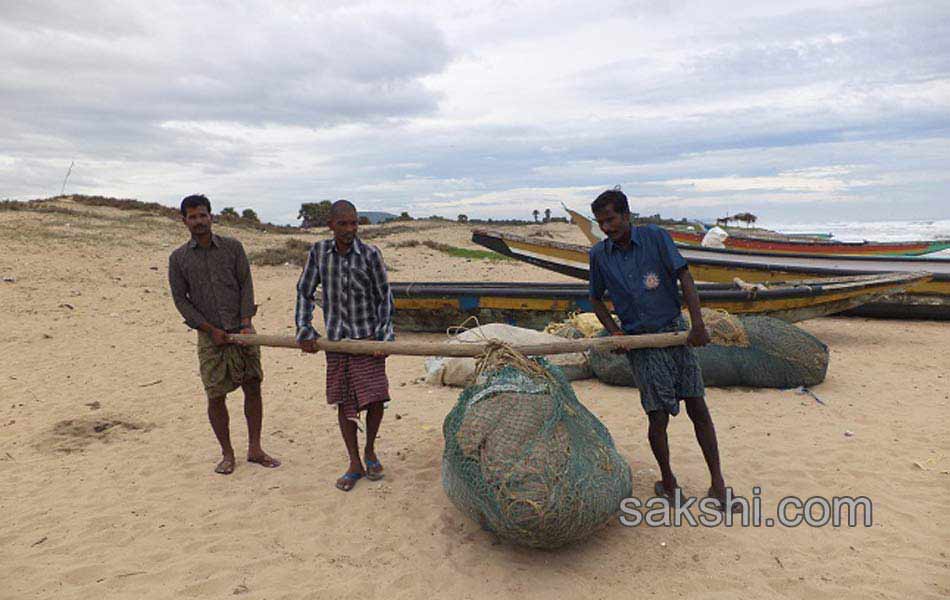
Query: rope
{"x": 498, "y": 353}
{"x": 501, "y": 354}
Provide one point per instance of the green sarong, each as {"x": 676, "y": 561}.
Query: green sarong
{"x": 226, "y": 368}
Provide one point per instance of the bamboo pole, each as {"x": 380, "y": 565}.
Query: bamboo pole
{"x": 626, "y": 342}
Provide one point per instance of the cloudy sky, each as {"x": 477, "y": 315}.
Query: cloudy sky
{"x": 798, "y": 111}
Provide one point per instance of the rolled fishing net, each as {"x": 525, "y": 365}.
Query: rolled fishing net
{"x": 526, "y": 460}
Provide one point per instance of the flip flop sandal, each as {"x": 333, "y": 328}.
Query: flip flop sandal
{"x": 351, "y": 477}
{"x": 378, "y": 474}
{"x": 736, "y": 507}
{"x": 661, "y": 492}
{"x": 270, "y": 462}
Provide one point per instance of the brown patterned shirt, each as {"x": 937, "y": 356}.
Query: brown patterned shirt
{"x": 212, "y": 284}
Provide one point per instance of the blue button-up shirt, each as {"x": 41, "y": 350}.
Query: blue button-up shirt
{"x": 641, "y": 279}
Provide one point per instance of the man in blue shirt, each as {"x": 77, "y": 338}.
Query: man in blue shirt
{"x": 639, "y": 267}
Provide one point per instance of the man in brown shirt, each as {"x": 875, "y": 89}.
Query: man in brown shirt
{"x": 210, "y": 280}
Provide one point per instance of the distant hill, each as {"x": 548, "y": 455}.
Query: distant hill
{"x": 377, "y": 216}
{"x": 46, "y": 205}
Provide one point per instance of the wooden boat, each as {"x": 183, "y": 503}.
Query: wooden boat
{"x": 810, "y": 235}
{"x": 424, "y": 306}
{"x": 816, "y": 246}
{"x": 784, "y": 244}
{"x": 926, "y": 299}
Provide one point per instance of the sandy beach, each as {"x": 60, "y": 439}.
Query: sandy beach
{"x": 106, "y": 455}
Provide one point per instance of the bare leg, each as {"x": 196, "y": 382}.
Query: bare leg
{"x": 348, "y": 430}
{"x": 661, "y": 449}
{"x": 706, "y": 436}
{"x": 254, "y": 413}
{"x": 218, "y": 415}
{"x": 374, "y": 417}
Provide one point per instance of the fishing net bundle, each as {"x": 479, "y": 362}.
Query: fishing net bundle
{"x": 526, "y": 460}
{"x": 778, "y": 355}
{"x": 750, "y": 351}
{"x": 575, "y": 326}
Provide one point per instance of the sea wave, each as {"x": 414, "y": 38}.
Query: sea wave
{"x": 876, "y": 231}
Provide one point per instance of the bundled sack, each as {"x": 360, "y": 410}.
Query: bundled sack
{"x": 749, "y": 351}
{"x": 575, "y": 326}
{"x": 459, "y": 371}
{"x": 527, "y": 461}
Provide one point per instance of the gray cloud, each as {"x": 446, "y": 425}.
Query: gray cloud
{"x": 99, "y": 18}
{"x": 95, "y": 78}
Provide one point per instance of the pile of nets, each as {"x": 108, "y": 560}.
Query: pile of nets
{"x": 750, "y": 351}
{"x": 526, "y": 460}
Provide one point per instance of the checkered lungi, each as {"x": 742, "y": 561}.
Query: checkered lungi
{"x": 355, "y": 381}
{"x": 667, "y": 375}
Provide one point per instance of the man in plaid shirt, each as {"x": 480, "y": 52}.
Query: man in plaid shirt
{"x": 358, "y": 305}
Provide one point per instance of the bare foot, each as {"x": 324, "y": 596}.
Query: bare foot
{"x": 263, "y": 460}
{"x": 226, "y": 466}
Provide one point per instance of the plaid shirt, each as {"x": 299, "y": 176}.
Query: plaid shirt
{"x": 356, "y": 300}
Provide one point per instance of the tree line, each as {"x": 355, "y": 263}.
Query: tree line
{"x": 317, "y": 214}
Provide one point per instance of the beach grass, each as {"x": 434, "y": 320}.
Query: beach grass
{"x": 293, "y": 252}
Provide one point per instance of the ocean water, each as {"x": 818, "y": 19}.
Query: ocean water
{"x": 876, "y": 231}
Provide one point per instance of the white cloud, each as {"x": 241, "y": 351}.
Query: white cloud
{"x": 490, "y": 107}
{"x": 742, "y": 184}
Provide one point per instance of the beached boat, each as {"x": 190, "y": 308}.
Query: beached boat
{"x": 425, "y": 306}
{"x": 784, "y": 244}
{"x": 923, "y": 300}
{"x": 738, "y": 241}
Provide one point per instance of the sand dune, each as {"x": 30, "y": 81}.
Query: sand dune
{"x": 106, "y": 455}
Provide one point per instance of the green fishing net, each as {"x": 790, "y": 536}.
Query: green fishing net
{"x": 527, "y": 461}
{"x": 752, "y": 351}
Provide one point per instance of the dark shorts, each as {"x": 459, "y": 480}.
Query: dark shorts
{"x": 226, "y": 368}
{"x": 667, "y": 375}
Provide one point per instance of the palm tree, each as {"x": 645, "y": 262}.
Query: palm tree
{"x": 535, "y": 213}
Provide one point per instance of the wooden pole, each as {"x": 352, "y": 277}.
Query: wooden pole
{"x": 627, "y": 342}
